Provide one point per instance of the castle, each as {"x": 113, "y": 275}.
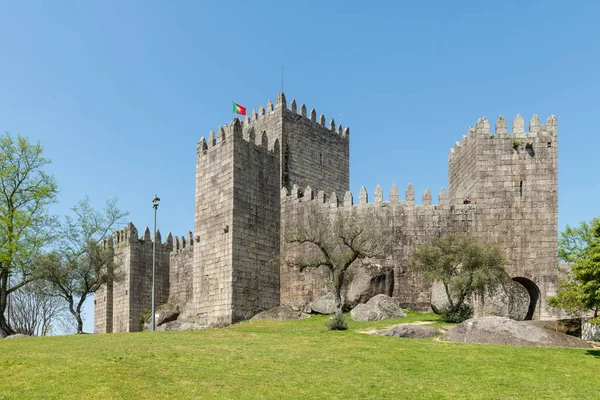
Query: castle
{"x": 253, "y": 178}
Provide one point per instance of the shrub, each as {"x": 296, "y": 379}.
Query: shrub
{"x": 337, "y": 323}
{"x": 460, "y": 314}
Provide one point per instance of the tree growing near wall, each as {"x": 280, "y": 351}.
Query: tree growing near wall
{"x": 82, "y": 265}
{"x": 463, "y": 266}
{"x": 26, "y": 191}
{"x": 335, "y": 238}
{"x": 579, "y": 292}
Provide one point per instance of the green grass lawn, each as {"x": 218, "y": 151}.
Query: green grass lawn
{"x": 286, "y": 360}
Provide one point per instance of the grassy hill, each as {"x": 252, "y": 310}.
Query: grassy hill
{"x": 287, "y": 360}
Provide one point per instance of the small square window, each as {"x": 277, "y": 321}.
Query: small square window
{"x": 549, "y": 144}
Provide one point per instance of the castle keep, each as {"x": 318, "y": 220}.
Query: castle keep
{"x": 255, "y": 178}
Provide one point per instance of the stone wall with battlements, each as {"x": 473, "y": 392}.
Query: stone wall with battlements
{"x": 409, "y": 224}
{"x": 313, "y": 152}
{"x": 181, "y": 273}
{"x": 132, "y": 290}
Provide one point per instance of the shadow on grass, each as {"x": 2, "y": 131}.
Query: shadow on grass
{"x": 595, "y": 353}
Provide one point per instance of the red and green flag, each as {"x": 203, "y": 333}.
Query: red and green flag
{"x": 237, "y": 109}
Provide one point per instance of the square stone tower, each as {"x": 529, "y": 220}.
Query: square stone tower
{"x": 512, "y": 180}
{"x": 239, "y": 174}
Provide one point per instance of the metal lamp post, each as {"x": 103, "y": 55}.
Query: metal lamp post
{"x": 155, "y": 205}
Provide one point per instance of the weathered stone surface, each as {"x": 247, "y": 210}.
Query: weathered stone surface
{"x": 324, "y": 304}
{"x": 378, "y": 308}
{"x": 281, "y": 313}
{"x": 589, "y": 331}
{"x": 412, "y": 331}
{"x": 512, "y": 302}
{"x": 571, "y": 326}
{"x": 365, "y": 282}
{"x": 502, "y": 330}
{"x": 184, "y": 325}
{"x": 164, "y": 313}
{"x": 17, "y": 336}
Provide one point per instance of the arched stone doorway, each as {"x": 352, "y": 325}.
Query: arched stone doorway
{"x": 534, "y": 296}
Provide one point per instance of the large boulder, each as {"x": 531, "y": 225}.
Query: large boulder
{"x": 281, "y": 313}
{"x": 502, "y": 330}
{"x": 510, "y": 301}
{"x": 324, "y": 304}
{"x": 362, "y": 282}
{"x": 378, "y": 308}
{"x": 17, "y": 336}
{"x": 412, "y": 331}
{"x": 164, "y": 313}
{"x": 182, "y": 325}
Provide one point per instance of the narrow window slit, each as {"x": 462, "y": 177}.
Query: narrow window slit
{"x": 521, "y": 189}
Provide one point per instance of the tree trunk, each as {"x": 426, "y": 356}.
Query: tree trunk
{"x": 76, "y": 312}
{"x": 79, "y": 323}
{"x": 5, "y": 329}
{"x": 338, "y": 280}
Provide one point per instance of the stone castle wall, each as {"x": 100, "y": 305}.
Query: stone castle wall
{"x": 408, "y": 223}
{"x": 247, "y": 180}
{"x": 131, "y": 295}
{"x": 181, "y": 273}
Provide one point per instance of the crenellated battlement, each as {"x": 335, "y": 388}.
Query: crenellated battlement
{"x": 281, "y": 104}
{"x": 181, "y": 244}
{"x": 236, "y": 129}
{"x": 296, "y": 195}
{"x": 536, "y": 131}
{"x": 129, "y": 235}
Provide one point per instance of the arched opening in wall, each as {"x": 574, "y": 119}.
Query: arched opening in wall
{"x": 534, "y": 296}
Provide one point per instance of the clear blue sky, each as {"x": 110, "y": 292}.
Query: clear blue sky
{"x": 119, "y": 93}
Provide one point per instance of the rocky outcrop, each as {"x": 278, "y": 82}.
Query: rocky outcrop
{"x": 511, "y": 301}
{"x": 412, "y": 331}
{"x": 366, "y": 281}
{"x": 378, "y": 308}
{"x": 323, "y": 305}
{"x": 164, "y": 313}
{"x": 281, "y": 313}
{"x": 502, "y": 330}
{"x": 17, "y": 336}
{"x": 182, "y": 325}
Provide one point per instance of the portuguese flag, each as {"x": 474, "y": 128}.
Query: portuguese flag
{"x": 237, "y": 109}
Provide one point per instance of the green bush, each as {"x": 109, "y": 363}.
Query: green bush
{"x": 460, "y": 314}
{"x": 337, "y": 323}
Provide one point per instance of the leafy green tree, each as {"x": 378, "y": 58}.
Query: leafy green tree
{"x": 82, "y": 264}
{"x": 580, "y": 291}
{"x": 335, "y": 239}
{"x": 463, "y": 266}
{"x": 573, "y": 241}
{"x": 26, "y": 191}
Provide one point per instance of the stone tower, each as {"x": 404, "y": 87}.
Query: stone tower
{"x": 239, "y": 174}
{"x": 512, "y": 181}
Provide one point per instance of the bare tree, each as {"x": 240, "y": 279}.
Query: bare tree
{"x": 335, "y": 238}
{"x": 34, "y": 310}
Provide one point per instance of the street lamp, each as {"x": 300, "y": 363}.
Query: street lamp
{"x": 155, "y": 201}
